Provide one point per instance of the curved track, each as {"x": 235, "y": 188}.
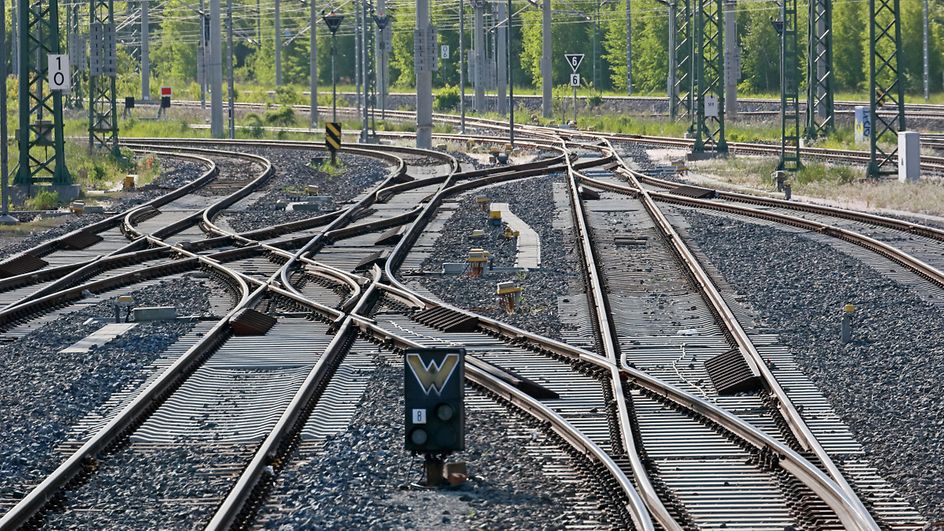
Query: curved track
{"x": 331, "y": 280}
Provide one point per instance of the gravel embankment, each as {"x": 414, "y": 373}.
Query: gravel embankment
{"x": 532, "y": 200}
{"x": 174, "y": 174}
{"x": 43, "y": 392}
{"x": 293, "y": 173}
{"x": 886, "y": 383}
{"x": 363, "y": 479}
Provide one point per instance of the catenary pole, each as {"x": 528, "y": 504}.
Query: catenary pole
{"x": 4, "y": 153}
{"x": 462, "y": 66}
{"x": 547, "y": 81}
{"x": 231, "y": 81}
{"x": 424, "y": 78}
{"x": 313, "y": 63}
{"x": 278, "y": 43}
{"x": 216, "y": 71}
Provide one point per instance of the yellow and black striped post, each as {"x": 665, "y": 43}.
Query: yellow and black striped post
{"x": 333, "y": 139}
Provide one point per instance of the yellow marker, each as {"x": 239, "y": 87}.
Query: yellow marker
{"x": 849, "y": 308}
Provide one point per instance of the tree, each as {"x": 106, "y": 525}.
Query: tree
{"x": 760, "y": 52}
{"x": 650, "y": 46}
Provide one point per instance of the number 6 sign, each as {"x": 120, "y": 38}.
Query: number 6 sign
{"x": 60, "y": 76}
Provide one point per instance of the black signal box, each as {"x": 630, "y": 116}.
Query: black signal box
{"x": 434, "y": 393}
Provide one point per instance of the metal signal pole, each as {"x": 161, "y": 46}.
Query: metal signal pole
{"x": 382, "y": 21}
{"x": 145, "y": 51}
{"x": 333, "y": 21}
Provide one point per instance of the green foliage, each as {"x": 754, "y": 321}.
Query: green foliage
{"x": 447, "y": 99}
{"x": 254, "y": 125}
{"x": 760, "y": 63}
{"x": 401, "y": 57}
{"x": 288, "y": 95}
{"x": 43, "y": 200}
{"x": 282, "y": 117}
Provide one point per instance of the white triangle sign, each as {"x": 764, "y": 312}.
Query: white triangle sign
{"x": 574, "y": 60}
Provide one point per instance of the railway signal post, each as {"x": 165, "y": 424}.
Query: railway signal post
{"x": 333, "y": 21}
{"x": 434, "y": 393}
{"x": 574, "y": 60}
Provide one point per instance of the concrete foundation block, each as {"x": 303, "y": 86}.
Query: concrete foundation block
{"x": 154, "y": 313}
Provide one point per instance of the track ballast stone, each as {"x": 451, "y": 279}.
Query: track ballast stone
{"x": 364, "y": 479}
{"x": 532, "y": 200}
{"x": 43, "y": 392}
{"x": 293, "y": 172}
{"x": 886, "y": 384}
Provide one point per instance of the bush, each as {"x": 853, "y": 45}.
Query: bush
{"x": 43, "y": 200}
{"x": 281, "y": 117}
{"x": 287, "y": 96}
{"x": 447, "y": 99}
{"x": 254, "y": 124}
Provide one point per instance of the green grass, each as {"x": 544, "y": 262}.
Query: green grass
{"x": 844, "y": 185}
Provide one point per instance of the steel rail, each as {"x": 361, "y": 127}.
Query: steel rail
{"x": 606, "y": 329}
{"x": 855, "y": 509}
{"x": 813, "y": 208}
{"x": 639, "y": 511}
{"x": 97, "y": 267}
{"x": 787, "y": 458}
{"x": 115, "y": 220}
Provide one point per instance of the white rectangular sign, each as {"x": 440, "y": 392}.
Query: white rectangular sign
{"x": 575, "y": 80}
{"x": 60, "y": 77}
{"x": 444, "y": 52}
{"x": 419, "y": 416}
{"x": 711, "y": 107}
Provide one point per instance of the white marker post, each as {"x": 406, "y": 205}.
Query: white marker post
{"x": 574, "y": 60}
{"x": 60, "y": 76}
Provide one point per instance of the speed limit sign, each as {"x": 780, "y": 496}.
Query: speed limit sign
{"x": 575, "y": 80}
{"x": 60, "y": 76}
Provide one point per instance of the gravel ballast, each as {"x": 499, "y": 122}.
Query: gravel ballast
{"x": 886, "y": 383}
{"x": 532, "y": 200}
{"x": 364, "y": 479}
{"x": 293, "y": 173}
{"x": 43, "y": 392}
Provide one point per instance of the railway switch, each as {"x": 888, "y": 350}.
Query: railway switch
{"x": 434, "y": 393}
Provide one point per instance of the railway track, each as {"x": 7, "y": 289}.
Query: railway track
{"x": 330, "y": 283}
{"x": 191, "y": 379}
